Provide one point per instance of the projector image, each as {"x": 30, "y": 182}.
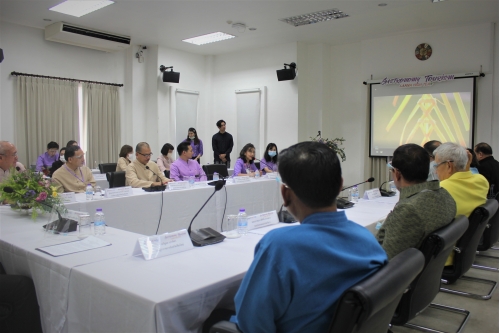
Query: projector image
{"x": 171, "y": 76}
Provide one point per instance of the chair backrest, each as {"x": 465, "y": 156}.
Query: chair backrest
{"x": 209, "y": 169}
{"x": 116, "y": 179}
{"x": 423, "y": 289}
{"x": 369, "y": 305}
{"x": 466, "y": 247}
{"x": 107, "y": 167}
{"x": 490, "y": 234}
{"x": 257, "y": 164}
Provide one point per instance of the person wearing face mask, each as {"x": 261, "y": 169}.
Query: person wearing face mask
{"x": 166, "y": 159}
{"x": 195, "y": 143}
{"x": 244, "y": 164}
{"x": 124, "y": 160}
{"x": 59, "y": 163}
{"x": 429, "y": 147}
{"x": 270, "y": 159}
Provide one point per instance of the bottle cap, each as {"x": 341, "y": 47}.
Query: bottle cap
{"x": 98, "y": 210}
{"x": 242, "y": 210}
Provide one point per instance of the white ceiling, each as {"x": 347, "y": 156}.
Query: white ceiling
{"x": 167, "y": 22}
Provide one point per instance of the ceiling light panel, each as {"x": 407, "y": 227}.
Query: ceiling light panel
{"x": 79, "y": 8}
{"x": 321, "y": 16}
{"x": 209, "y": 38}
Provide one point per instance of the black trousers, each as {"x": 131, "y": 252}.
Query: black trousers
{"x": 19, "y": 311}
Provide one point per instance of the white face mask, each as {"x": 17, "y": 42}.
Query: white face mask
{"x": 192, "y": 137}
{"x": 271, "y": 153}
{"x": 130, "y": 157}
{"x": 169, "y": 155}
{"x": 62, "y": 159}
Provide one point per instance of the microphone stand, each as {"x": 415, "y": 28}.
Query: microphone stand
{"x": 159, "y": 188}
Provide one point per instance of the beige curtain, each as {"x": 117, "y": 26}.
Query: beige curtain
{"x": 101, "y": 117}
{"x": 46, "y": 110}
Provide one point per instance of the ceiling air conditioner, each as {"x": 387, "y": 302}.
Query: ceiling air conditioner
{"x": 74, "y": 35}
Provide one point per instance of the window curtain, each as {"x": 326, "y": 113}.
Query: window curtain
{"x": 101, "y": 118}
{"x": 380, "y": 171}
{"x": 46, "y": 110}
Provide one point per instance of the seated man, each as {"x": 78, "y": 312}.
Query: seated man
{"x": 468, "y": 190}
{"x": 429, "y": 147}
{"x": 45, "y": 161}
{"x": 184, "y": 166}
{"x": 8, "y": 160}
{"x": 141, "y": 172}
{"x": 73, "y": 176}
{"x": 488, "y": 167}
{"x": 299, "y": 272}
{"x": 423, "y": 205}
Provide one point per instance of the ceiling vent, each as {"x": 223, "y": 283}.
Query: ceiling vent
{"x": 93, "y": 39}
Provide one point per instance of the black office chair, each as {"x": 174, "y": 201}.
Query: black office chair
{"x": 107, "y": 167}
{"x": 369, "y": 305}
{"x": 465, "y": 251}
{"x": 257, "y": 164}
{"x": 116, "y": 179}
{"x": 490, "y": 237}
{"x": 424, "y": 288}
{"x": 209, "y": 169}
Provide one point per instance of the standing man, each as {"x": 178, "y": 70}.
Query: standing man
{"x": 488, "y": 167}
{"x": 74, "y": 176}
{"x": 185, "y": 166}
{"x": 8, "y": 160}
{"x": 45, "y": 161}
{"x": 222, "y": 144}
{"x": 142, "y": 172}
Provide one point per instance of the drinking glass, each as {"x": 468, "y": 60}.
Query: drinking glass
{"x": 231, "y": 226}
{"x": 84, "y": 225}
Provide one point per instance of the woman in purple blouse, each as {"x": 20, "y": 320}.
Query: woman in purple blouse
{"x": 196, "y": 144}
{"x": 244, "y": 164}
{"x": 268, "y": 163}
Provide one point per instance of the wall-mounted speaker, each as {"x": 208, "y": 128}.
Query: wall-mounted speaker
{"x": 172, "y": 77}
{"x": 1, "y": 55}
{"x": 286, "y": 74}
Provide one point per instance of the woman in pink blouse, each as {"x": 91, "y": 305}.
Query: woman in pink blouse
{"x": 166, "y": 159}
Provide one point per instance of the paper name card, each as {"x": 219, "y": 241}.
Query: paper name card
{"x": 118, "y": 192}
{"x": 157, "y": 246}
{"x": 241, "y": 179}
{"x": 374, "y": 193}
{"x": 184, "y": 185}
{"x": 271, "y": 175}
{"x": 200, "y": 184}
{"x": 262, "y": 220}
{"x": 100, "y": 177}
{"x": 67, "y": 197}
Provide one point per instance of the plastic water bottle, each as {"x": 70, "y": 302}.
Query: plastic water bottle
{"x": 257, "y": 174}
{"x": 392, "y": 186}
{"x": 242, "y": 222}
{"x": 355, "y": 194}
{"x": 191, "y": 180}
{"x": 99, "y": 222}
{"x": 215, "y": 176}
{"x": 89, "y": 192}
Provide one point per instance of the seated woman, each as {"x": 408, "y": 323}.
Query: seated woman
{"x": 244, "y": 164}
{"x": 166, "y": 159}
{"x": 59, "y": 163}
{"x": 268, "y": 163}
{"x": 124, "y": 160}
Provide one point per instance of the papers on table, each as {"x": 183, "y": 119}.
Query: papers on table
{"x": 86, "y": 244}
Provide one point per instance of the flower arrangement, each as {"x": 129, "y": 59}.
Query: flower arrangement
{"x": 29, "y": 190}
{"x": 332, "y": 144}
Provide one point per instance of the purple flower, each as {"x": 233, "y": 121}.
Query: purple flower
{"x": 30, "y": 193}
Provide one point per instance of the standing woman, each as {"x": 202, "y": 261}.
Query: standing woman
{"x": 124, "y": 159}
{"x": 166, "y": 159}
{"x": 196, "y": 144}
{"x": 270, "y": 159}
{"x": 244, "y": 164}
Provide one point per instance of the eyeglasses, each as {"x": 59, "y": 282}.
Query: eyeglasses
{"x": 435, "y": 166}
{"x": 278, "y": 179}
{"x": 391, "y": 168}
{"x": 12, "y": 155}
{"x": 145, "y": 155}
{"x": 79, "y": 156}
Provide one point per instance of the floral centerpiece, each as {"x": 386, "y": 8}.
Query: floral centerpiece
{"x": 332, "y": 144}
{"x": 29, "y": 190}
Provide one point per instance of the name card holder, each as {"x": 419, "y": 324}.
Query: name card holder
{"x": 262, "y": 220}
{"x": 118, "y": 192}
{"x": 374, "y": 193}
{"x": 271, "y": 175}
{"x": 183, "y": 185}
{"x": 241, "y": 179}
{"x": 68, "y": 197}
{"x": 201, "y": 184}
{"x": 158, "y": 246}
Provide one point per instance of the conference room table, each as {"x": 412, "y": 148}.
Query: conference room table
{"x": 110, "y": 290}
{"x": 171, "y": 210}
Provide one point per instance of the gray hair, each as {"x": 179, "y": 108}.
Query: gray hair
{"x": 5, "y": 146}
{"x": 450, "y": 151}
{"x": 139, "y": 146}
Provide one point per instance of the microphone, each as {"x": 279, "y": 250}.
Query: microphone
{"x": 261, "y": 161}
{"x": 206, "y": 236}
{"x": 63, "y": 225}
{"x": 157, "y": 177}
{"x": 386, "y": 193}
{"x": 369, "y": 180}
{"x": 159, "y": 188}
{"x": 18, "y": 169}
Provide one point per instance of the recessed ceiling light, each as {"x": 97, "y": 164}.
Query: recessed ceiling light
{"x": 209, "y": 38}
{"x": 79, "y": 8}
{"x": 437, "y": 0}
{"x": 382, "y": 4}
{"x": 252, "y": 29}
{"x": 321, "y": 16}
{"x": 48, "y": 20}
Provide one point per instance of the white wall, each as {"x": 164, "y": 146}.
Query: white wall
{"x": 26, "y": 51}
{"x": 256, "y": 69}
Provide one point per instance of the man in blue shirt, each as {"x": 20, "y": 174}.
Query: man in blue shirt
{"x": 299, "y": 272}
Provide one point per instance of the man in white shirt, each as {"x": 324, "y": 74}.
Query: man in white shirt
{"x": 8, "y": 160}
